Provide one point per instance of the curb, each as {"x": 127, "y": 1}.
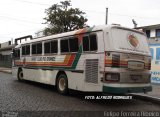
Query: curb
{"x": 147, "y": 98}
{"x": 5, "y": 71}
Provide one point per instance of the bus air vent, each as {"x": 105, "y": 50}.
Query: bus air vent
{"x": 91, "y": 71}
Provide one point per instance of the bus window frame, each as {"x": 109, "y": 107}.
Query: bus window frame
{"x": 72, "y": 37}
{"x": 88, "y": 34}
{"x": 35, "y": 43}
{"x": 17, "y": 58}
{"x": 67, "y": 38}
{"x": 25, "y": 50}
{"x": 49, "y": 41}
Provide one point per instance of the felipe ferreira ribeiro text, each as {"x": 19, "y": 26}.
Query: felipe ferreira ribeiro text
{"x": 131, "y": 114}
{"x": 108, "y": 97}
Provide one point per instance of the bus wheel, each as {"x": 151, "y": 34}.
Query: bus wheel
{"x": 62, "y": 84}
{"x": 20, "y": 75}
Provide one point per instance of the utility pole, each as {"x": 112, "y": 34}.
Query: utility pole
{"x": 106, "y": 16}
{"x": 11, "y": 41}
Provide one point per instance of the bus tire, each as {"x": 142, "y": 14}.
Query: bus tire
{"x": 20, "y": 75}
{"x": 62, "y": 84}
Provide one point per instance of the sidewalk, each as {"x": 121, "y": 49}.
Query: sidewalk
{"x": 6, "y": 70}
{"x": 155, "y": 91}
{"x": 155, "y": 87}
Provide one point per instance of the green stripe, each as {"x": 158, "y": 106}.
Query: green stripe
{"x": 78, "y": 55}
{"x": 121, "y": 90}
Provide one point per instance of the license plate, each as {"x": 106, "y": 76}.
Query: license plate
{"x": 135, "y": 65}
{"x": 136, "y": 77}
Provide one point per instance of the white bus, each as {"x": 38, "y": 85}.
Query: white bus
{"x": 109, "y": 59}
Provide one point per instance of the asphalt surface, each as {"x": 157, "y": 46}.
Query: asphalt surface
{"x": 30, "y": 96}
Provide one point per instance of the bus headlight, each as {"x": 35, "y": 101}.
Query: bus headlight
{"x": 113, "y": 77}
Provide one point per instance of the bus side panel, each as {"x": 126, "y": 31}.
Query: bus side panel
{"x": 94, "y": 62}
{"x": 75, "y": 80}
{"x": 93, "y": 72}
{"x": 39, "y": 75}
{"x": 76, "y": 76}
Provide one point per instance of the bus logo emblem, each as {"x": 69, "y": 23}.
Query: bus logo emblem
{"x": 133, "y": 41}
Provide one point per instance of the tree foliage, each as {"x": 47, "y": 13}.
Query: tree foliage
{"x": 62, "y": 18}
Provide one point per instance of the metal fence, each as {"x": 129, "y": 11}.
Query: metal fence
{"x": 5, "y": 61}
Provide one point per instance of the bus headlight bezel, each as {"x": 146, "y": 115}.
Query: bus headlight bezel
{"x": 112, "y": 77}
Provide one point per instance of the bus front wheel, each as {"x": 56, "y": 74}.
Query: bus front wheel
{"x": 62, "y": 84}
{"x": 20, "y": 75}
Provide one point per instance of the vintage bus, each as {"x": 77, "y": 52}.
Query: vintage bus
{"x": 108, "y": 59}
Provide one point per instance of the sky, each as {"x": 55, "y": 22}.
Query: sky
{"x": 19, "y": 18}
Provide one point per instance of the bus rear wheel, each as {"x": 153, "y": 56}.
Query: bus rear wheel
{"x": 20, "y": 75}
{"x": 62, "y": 84}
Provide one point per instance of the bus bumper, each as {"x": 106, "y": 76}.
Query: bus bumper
{"x": 122, "y": 90}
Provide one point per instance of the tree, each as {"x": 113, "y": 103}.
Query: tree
{"x": 63, "y": 18}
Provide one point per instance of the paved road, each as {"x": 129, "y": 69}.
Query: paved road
{"x": 29, "y": 96}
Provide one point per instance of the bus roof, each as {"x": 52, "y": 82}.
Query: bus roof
{"x": 76, "y": 32}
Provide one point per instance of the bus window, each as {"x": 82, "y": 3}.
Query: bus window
{"x": 27, "y": 49}
{"x": 51, "y": 47}
{"x": 54, "y": 46}
{"x": 16, "y": 53}
{"x": 23, "y": 50}
{"x": 73, "y": 44}
{"x": 47, "y": 47}
{"x": 90, "y": 43}
{"x": 93, "y": 42}
{"x": 34, "y": 49}
{"x": 158, "y": 54}
{"x": 152, "y": 54}
{"x": 39, "y": 48}
{"x": 85, "y": 43}
{"x": 64, "y": 45}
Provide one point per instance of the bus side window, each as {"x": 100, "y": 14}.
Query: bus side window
{"x": 54, "y": 46}
{"x": 73, "y": 44}
{"x": 85, "y": 43}
{"x": 26, "y": 50}
{"x": 23, "y": 50}
{"x": 152, "y": 52}
{"x": 51, "y": 47}
{"x": 34, "y": 48}
{"x": 64, "y": 45}
{"x": 47, "y": 47}
{"x": 157, "y": 53}
{"x": 16, "y": 53}
{"x": 93, "y": 42}
{"x": 90, "y": 43}
{"x": 37, "y": 48}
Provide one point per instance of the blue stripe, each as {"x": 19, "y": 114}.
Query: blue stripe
{"x": 154, "y": 44}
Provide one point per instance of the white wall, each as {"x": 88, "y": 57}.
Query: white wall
{"x": 6, "y": 44}
{"x": 8, "y": 52}
{"x": 153, "y": 33}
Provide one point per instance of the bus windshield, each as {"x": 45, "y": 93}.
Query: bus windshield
{"x": 129, "y": 41}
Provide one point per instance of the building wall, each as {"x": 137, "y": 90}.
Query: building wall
{"x": 153, "y": 39}
{"x": 154, "y": 44}
{"x": 5, "y": 61}
{"x": 5, "y": 54}
{"x": 153, "y": 33}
